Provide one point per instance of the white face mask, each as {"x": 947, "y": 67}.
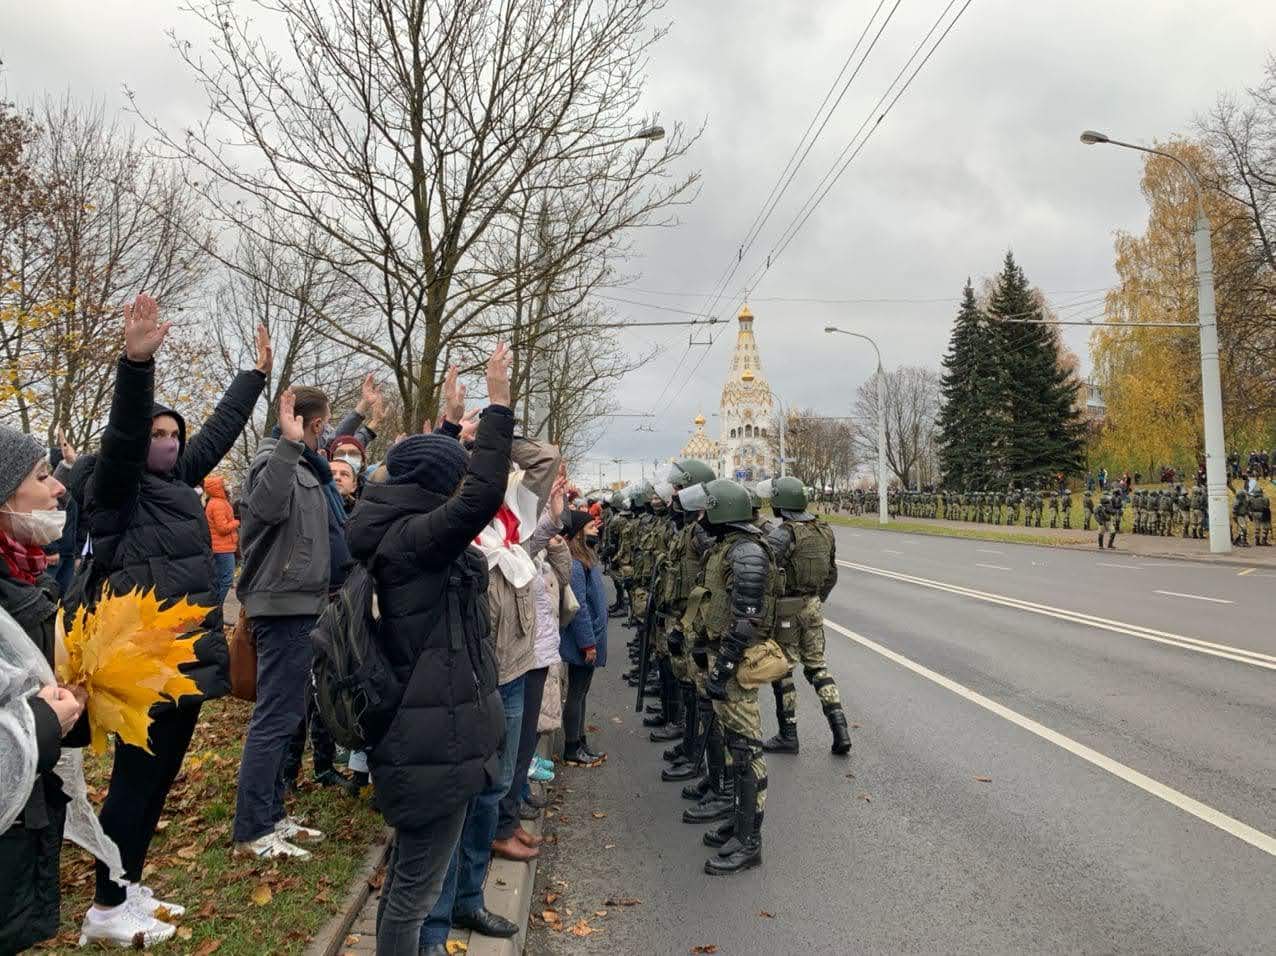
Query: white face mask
{"x": 35, "y": 527}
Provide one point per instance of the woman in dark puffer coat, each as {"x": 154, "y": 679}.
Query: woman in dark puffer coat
{"x": 148, "y": 530}
{"x": 415, "y": 533}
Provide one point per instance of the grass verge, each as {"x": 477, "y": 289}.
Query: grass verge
{"x": 977, "y": 532}
{"x": 234, "y": 906}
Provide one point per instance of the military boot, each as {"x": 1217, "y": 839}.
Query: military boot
{"x": 1100, "y": 540}
{"x": 1111, "y": 538}
{"x": 697, "y": 790}
{"x": 718, "y": 801}
{"x": 743, "y": 850}
{"x": 837, "y": 724}
{"x": 698, "y": 716}
{"x": 671, "y": 701}
{"x": 786, "y": 741}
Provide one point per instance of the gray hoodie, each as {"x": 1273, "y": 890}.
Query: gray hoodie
{"x": 283, "y": 535}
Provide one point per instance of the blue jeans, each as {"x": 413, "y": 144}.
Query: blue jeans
{"x": 225, "y": 567}
{"x": 463, "y": 886}
{"x": 284, "y": 656}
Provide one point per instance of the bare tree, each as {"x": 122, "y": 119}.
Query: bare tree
{"x": 417, "y": 136}
{"x": 912, "y": 405}
{"x": 820, "y": 450}
{"x": 110, "y": 222}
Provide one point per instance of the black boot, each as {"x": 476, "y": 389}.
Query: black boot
{"x": 786, "y": 741}
{"x": 698, "y": 716}
{"x": 720, "y": 835}
{"x": 1100, "y": 540}
{"x": 743, "y": 850}
{"x": 697, "y": 790}
{"x": 1111, "y": 538}
{"x": 718, "y": 802}
{"x": 837, "y": 724}
{"x": 671, "y": 703}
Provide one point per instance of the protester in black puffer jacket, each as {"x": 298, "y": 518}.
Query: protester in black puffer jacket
{"x": 415, "y": 535}
{"x": 147, "y": 529}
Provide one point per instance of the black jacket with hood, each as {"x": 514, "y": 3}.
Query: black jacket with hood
{"x": 442, "y": 746}
{"x": 149, "y": 530}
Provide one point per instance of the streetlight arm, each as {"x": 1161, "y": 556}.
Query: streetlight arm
{"x": 858, "y": 335}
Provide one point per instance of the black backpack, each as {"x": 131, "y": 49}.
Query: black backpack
{"x": 355, "y": 688}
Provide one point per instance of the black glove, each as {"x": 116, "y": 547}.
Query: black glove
{"x": 716, "y": 686}
{"x": 677, "y": 642}
{"x": 700, "y": 654}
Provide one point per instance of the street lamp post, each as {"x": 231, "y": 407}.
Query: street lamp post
{"x": 882, "y": 516}
{"x": 748, "y": 378}
{"x": 1211, "y": 384}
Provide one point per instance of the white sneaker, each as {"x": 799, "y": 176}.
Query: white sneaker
{"x": 290, "y": 828}
{"x": 271, "y": 847}
{"x": 143, "y": 899}
{"x": 125, "y": 926}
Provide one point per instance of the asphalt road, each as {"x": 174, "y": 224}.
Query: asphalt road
{"x": 1123, "y": 727}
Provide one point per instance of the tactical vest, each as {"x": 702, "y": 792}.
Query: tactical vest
{"x": 714, "y": 613}
{"x": 682, "y": 569}
{"x": 810, "y": 560}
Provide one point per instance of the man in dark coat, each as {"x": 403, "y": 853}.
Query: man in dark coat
{"x": 147, "y": 530}
{"x": 415, "y": 536}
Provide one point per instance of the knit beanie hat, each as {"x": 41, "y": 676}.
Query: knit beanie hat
{"x": 574, "y": 521}
{"x": 18, "y": 454}
{"x": 435, "y": 462}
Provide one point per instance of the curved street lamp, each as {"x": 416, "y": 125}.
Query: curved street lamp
{"x": 882, "y": 516}
{"x": 1211, "y": 384}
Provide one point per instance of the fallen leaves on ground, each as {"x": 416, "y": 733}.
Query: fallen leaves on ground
{"x": 551, "y": 898}
{"x": 207, "y": 947}
{"x": 984, "y": 779}
{"x": 552, "y": 918}
{"x": 600, "y": 913}
{"x": 581, "y": 928}
{"x": 704, "y": 948}
{"x": 622, "y": 901}
{"x": 609, "y": 846}
{"x": 352, "y": 939}
{"x": 262, "y": 895}
{"x": 866, "y": 798}
{"x": 455, "y": 946}
{"x": 598, "y": 815}
{"x": 765, "y": 915}
{"x": 183, "y": 932}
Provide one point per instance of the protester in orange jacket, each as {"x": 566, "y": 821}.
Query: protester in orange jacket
{"x": 223, "y": 528}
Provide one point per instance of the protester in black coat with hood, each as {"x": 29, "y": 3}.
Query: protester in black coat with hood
{"x": 148, "y": 530}
{"x": 415, "y": 535}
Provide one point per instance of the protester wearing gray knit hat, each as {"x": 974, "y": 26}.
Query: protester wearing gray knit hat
{"x": 18, "y": 454}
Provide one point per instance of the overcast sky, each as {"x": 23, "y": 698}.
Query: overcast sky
{"x": 980, "y": 155}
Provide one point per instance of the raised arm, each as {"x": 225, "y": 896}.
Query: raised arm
{"x": 122, "y": 460}
{"x": 269, "y": 496}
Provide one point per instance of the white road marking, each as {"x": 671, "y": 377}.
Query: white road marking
{"x": 1106, "y": 564}
{"x": 1227, "y": 651}
{"x": 995, "y": 567}
{"x": 988, "y": 551}
{"x": 1241, "y": 574}
{"x": 1194, "y": 597}
{"x": 889, "y": 551}
{"x": 1230, "y": 825}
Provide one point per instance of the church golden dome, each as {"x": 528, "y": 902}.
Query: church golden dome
{"x": 745, "y": 313}
{"x": 699, "y": 420}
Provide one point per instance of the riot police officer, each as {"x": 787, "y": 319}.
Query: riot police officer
{"x": 804, "y": 548}
{"x": 733, "y": 609}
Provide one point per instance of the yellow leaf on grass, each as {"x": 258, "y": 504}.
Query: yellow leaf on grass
{"x": 127, "y": 655}
{"x": 262, "y": 895}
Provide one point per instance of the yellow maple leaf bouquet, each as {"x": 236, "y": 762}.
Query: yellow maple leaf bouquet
{"x": 127, "y": 654}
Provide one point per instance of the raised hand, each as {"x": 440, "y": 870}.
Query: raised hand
{"x": 143, "y": 331}
{"x": 498, "y": 375}
{"x": 265, "y": 354}
{"x": 376, "y": 414}
{"x": 69, "y": 454}
{"x": 469, "y": 425}
{"x": 453, "y": 396}
{"x": 557, "y": 498}
{"x": 367, "y": 395}
{"x": 291, "y": 426}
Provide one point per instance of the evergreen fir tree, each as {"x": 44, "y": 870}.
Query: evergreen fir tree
{"x": 971, "y": 420}
{"x": 1044, "y": 432}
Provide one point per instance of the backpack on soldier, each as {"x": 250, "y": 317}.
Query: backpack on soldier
{"x": 354, "y": 686}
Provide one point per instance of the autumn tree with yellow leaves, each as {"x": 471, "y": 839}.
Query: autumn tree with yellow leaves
{"x": 1150, "y": 376}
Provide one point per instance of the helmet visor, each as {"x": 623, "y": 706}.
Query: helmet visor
{"x": 693, "y": 499}
{"x": 764, "y": 490}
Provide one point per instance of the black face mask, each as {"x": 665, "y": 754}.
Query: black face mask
{"x": 714, "y": 530}
{"x": 679, "y": 517}
{"x": 591, "y": 539}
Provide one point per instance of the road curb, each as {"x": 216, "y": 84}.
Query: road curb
{"x": 332, "y": 937}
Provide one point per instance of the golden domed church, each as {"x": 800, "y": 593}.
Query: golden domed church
{"x": 701, "y": 446}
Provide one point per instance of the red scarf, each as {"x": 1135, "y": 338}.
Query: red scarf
{"x": 24, "y": 563}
